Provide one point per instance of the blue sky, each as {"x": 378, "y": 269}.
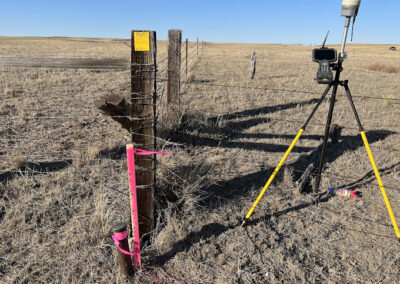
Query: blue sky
{"x": 251, "y": 21}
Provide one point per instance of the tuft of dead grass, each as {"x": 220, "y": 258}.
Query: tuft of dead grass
{"x": 93, "y": 151}
{"x": 382, "y": 67}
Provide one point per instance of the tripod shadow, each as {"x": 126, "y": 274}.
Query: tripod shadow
{"x": 240, "y": 186}
{"x": 263, "y": 110}
{"x": 226, "y": 128}
{"x": 348, "y": 143}
{"x": 369, "y": 177}
{"x": 196, "y": 140}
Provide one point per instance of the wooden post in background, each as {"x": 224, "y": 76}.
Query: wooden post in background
{"x": 197, "y": 47}
{"x": 143, "y": 123}
{"x": 124, "y": 260}
{"x": 174, "y": 72}
{"x": 253, "y": 66}
{"x": 187, "y": 49}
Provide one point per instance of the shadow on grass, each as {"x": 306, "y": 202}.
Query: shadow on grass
{"x": 263, "y": 110}
{"x": 34, "y": 168}
{"x": 213, "y": 230}
{"x": 115, "y": 153}
{"x": 369, "y": 177}
{"x": 195, "y": 140}
{"x": 231, "y": 128}
{"x": 239, "y": 186}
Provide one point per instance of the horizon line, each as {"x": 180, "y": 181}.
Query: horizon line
{"x": 217, "y": 42}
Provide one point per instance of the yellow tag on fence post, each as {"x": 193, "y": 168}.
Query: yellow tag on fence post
{"x": 142, "y": 41}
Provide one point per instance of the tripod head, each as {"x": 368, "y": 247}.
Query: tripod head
{"x": 327, "y": 57}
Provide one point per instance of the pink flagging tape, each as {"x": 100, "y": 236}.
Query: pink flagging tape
{"x": 130, "y": 151}
{"x": 117, "y": 237}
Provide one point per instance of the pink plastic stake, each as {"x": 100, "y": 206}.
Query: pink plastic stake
{"x": 130, "y": 153}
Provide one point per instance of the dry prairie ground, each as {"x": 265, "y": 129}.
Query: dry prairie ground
{"x": 63, "y": 172}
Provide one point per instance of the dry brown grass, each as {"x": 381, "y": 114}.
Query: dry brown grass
{"x": 56, "y": 212}
{"x": 381, "y": 67}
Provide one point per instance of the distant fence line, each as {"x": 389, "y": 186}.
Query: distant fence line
{"x": 84, "y": 62}
{"x": 66, "y": 62}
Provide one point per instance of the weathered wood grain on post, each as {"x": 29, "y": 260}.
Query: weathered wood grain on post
{"x": 174, "y": 72}
{"x": 143, "y": 100}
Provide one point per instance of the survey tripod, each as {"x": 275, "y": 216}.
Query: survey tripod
{"x": 337, "y": 66}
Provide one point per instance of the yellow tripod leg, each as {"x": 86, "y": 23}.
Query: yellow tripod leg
{"x": 271, "y": 178}
{"x": 378, "y": 177}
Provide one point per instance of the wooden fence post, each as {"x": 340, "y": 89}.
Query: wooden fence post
{"x": 174, "y": 71}
{"x": 197, "y": 47}
{"x": 124, "y": 260}
{"x": 187, "y": 49}
{"x": 253, "y": 66}
{"x": 143, "y": 123}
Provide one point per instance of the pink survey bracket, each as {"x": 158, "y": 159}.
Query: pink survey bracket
{"x": 130, "y": 153}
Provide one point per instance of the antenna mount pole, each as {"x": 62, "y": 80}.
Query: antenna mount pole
{"x": 346, "y": 31}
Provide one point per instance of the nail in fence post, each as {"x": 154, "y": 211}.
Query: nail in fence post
{"x": 124, "y": 260}
{"x": 187, "y": 49}
{"x": 143, "y": 123}
{"x": 174, "y": 70}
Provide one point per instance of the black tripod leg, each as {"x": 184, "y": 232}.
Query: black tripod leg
{"x": 317, "y": 105}
{"x": 353, "y": 107}
{"x": 327, "y": 129}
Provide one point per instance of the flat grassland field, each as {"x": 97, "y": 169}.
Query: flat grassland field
{"x": 63, "y": 178}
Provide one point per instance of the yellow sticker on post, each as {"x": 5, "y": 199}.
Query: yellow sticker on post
{"x": 142, "y": 41}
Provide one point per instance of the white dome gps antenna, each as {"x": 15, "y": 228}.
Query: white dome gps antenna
{"x": 349, "y": 10}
